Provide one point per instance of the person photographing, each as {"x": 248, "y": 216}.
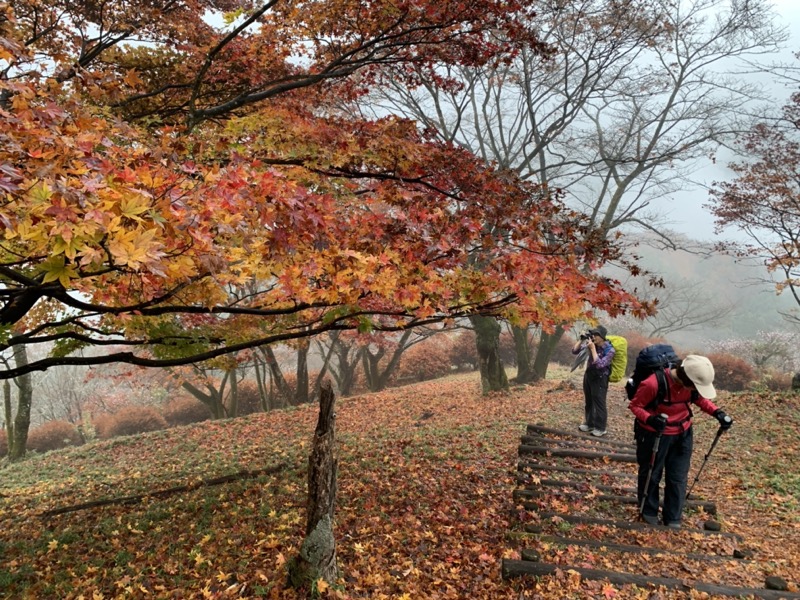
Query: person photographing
{"x": 664, "y": 435}
{"x": 595, "y": 379}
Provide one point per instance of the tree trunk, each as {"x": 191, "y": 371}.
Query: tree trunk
{"x": 8, "y": 422}
{"x": 22, "y": 422}
{"x": 345, "y": 371}
{"x": 262, "y": 389}
{"x": 370, "y": 364}
{"x": 301, "y": 393}
{"x": 487, "y": 340}
{"x": 213, "y": 400}
{"x": 547, "y": 344}
{"x": 317, "y": 557}
{"x": 233, "y": 405}
{"x": 285, "y": 392}
{"x": 522, "y": 346}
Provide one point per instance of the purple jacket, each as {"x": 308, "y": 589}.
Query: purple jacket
{"x": 602, "y": 366}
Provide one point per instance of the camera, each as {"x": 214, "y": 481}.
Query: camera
{"x": 586, "y": 335}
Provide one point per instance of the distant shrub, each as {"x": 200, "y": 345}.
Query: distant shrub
{"x": 53, "y": 435}
{"x": 427, "y": 360}
{"x": 129, "y": 421}
{"x": 731, "y": 372}
{"x": 776, "y": 381}
{"x": 248, "y": 398}
{"x": 562, "y": 354}
{"x": 508, "y": 349}
{"x": 185, "y": 410}
{"x": 463, "y": 351}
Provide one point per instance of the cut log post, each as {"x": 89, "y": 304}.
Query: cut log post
{"x": 317, "y": 557}
{"x": 526, "y": 449}
{"x": 517, "y": 568}
{"x": 708, "y": 507}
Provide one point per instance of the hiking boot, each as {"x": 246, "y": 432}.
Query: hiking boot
{"x": 650, "y": 519}
{"x": 599, "y": 432}
{"x": 674, "y": 525}
{"x": 584, "y": 427}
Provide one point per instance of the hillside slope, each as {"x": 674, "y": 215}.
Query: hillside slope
{"x": 425, "y": 500}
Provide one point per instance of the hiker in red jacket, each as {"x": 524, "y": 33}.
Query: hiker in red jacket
{"x": 689, "y": 382}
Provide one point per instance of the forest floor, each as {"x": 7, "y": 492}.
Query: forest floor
{"x": 425, "y": 507}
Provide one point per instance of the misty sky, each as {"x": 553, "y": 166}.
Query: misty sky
{"x": 686, "y": 212}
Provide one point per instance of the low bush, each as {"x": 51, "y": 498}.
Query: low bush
{"x": 463, "y": 351}
{"x": 185, "y": 410}
{"x": 562, "y": 354}
{"x": 776, "y": 381}
{"x": 427, "y": 360}
{"x": 128, "y": 421}
{"x": 508, "y": 349}
{"x": 53, "y": 435}
{"x": 249, "y": 398}
{"x": 731, "y": 373}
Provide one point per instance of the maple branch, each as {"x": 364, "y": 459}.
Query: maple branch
{"x": 193, "y": 119}
{"x": 347, "y": 322}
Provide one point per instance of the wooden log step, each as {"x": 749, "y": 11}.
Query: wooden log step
{"x": 518, "y": 568}
{"x": 629, "y": 525}
{"x": 588, "y": 443}
{"x": 526, "y": 449}
{"x": 564, "y": 541}
{"x": 534, "y": 429}
{"x": 537, "y": 466}
{"x": 521, "y": 479}
{"x": 708, "y": 507}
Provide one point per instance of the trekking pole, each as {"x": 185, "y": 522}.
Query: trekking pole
{"x": 656, "y": 443}
{"x": 720, "y": 431}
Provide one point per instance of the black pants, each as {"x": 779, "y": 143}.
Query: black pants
{"x": 595, "y": 390}
{"x": 673, "y": 459}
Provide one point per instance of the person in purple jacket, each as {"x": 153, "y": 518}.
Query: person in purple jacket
{"x": 595, "y": 380}
{"x": 689, "y": 382}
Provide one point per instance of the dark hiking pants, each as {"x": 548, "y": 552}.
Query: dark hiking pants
{"x": 595, "y": 390}
{"x": 673, "y": 460}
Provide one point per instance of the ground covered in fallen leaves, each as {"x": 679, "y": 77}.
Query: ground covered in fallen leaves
{"x": 425, "y": 506}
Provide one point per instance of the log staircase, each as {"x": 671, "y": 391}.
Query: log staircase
{"x": 576, "y": 496}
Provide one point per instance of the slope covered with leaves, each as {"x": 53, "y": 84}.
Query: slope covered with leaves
{"x": 425, "y": 506}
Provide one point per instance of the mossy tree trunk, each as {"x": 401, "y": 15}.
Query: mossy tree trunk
{"x": 317, "y": 557}
{"x": 18, "y": 440}
{"x": 487, "y": 340}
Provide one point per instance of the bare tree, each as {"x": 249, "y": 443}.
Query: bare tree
{"x": 633, "y": 95}
{"x": 763, "y": 201}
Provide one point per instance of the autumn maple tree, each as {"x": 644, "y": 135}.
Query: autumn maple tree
{"x": 186, "y": 180}
{"x": 181, "y": 178}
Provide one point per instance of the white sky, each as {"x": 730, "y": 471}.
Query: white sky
{"x": 686, "y": 211}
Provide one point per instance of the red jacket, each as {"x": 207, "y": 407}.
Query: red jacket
{"x": 677, "y": 411}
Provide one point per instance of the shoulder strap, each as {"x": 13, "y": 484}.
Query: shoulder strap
{"x": 663, "y": 394}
